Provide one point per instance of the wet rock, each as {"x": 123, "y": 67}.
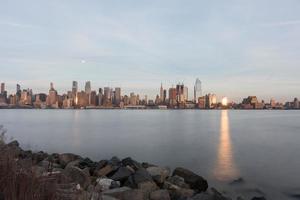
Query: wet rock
{"x": 158, "y": 174}
{"x": 66, "y": 158}
{"x": 181, "y": 193}
{"x": 178, "y": 181}
{"x": 195, "y": 181}
{"x": 132, "y": 163}
{"x": 104, "y": 171}
{"x": 77, "y": 176}
{"x": 122, "y": 174}
{"x": 160, "y": 195}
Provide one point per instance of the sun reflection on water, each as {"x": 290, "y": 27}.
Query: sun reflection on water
{"x": 225, "y": 168}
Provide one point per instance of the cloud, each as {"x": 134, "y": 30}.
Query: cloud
{"x": 16, "y": 24}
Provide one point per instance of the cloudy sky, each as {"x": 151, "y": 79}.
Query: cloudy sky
{"x": 236, "y": 48}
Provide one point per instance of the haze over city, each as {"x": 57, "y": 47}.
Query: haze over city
{"x": 236, "y": 48}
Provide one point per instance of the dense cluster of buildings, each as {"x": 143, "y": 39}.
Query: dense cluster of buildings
{"x": 172, "y": 98}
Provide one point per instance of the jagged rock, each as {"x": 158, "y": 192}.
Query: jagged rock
{"x": 181, "y": 193}
{"x": 195, "y": 181}
{"x": 132, "y": 163}
{"x": 39, "y": 156}
{"x": 66, "y": 158}
{"x": 160, "y": 195}
{"x": 146, "y": 165}
{"x": 78, "y": 176}
{"x": 141, "y": 175}
{"x": 159, "y": 174}
{"x": 115, "y": 162}
{"x": 104, "y": 171}
{"x": 178, "y": 181}
{"x": 46, "y": 164}
{"x": 122, "y": 174}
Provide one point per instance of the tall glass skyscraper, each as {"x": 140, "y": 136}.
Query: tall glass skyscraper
{"x": 197, "y": 90}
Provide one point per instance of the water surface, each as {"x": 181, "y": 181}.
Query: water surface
{"x": 263, "y": 147}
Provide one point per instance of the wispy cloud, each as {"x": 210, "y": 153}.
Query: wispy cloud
{"x": 16, "y": 24}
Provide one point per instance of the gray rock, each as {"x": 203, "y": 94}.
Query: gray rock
{"x": 132, "y": 163}
{"x": 104, "y": 183}
{"x": 195, "y": 181}
{"x": 122, "y": 174}
{"x": 141, "y": 175}
{"x": 213, "y": 194}
{"x": 177, "y": 180}
{"x": 160, "y": 195}
{"x": 159, "y": 174}
{"x": 66, "y": 158}
{"x": 77, "y": 176}
{"x": 147, "y": 188}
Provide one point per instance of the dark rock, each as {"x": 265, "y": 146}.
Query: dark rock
{"x": 2, "y": 196}
{"x": 66, "y": 158}
{"x": 39, "y": 156}
{"x": 101, "y": 164}
{"x": 147, "y": 188}
{"x": 160, "y": 195}
{"x": 115, "y": 162}
{"x": 213, "y": 194}
{"x": 122, "y": 174}
{"x": 132, "y": 163}
{"x": 141, "y": 175}
{"x": 159, "y": 174}
{"x": 78, "y": 176}
{"x": 195, "y": 181}
{"x": 181, "y": 193}
{"x": 25, "y": 154}
{"x": 86, "y": 162}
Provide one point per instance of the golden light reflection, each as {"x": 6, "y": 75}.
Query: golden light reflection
{"x": 225, "y": 168}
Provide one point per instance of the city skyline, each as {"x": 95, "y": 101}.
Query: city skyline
{"x": 150, "y": 42}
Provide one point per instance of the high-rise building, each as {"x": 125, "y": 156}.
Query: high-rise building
{"x": 2, "y": 88}
{"x": 161, "y": 93}
{"x": 172, "y": 97}
{"x": 179, "y": 93}
{"x": 100, "y": 97}
{"x": 197, "y": 89}
{"x": 185, "y": 93}
{"x": 52, "y": 97}
{"x": 88, "y": 88}
{"x": 74, "y": 87}
{"x": 296, "y": 103}
{"x": 117, "y": 96}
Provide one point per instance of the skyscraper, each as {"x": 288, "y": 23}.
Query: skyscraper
{"x": 88, "y": 88}
{"x": 161, "y": 96}
{"x": 185, "y": 93}
{"x": 74, "y": 87}
{"x": 2, "y": 88}
{"x": 197, "y": 90}
{"x": 117, "y": 96}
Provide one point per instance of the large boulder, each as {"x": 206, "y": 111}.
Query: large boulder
{"x": 160, "y": 195}
{"x": 77, "y": 176}
{"x": 195, "y": 181}
{"x": 159, "y": 174}
{"x": 132, "y": 163}
{"x": 178, "y": 181}
{"x": 104, "y": 184}
{"x": 213, "y": 194}
{"x": 104, "y": 171}
{"x": 66, "y": 158}
{"x": 122, "y": 174}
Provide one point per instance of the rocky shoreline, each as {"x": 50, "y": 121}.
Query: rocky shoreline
{"x": 39, "y": 175}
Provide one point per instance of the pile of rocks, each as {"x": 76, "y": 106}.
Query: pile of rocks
{"x": 114, "y": 179}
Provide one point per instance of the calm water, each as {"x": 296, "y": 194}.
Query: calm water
{"x": 263, "y": 147}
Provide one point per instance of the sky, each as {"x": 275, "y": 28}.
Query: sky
{"x": 236, "y": 48}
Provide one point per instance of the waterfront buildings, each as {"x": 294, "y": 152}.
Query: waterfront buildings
{"x": 107, "y": 97}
